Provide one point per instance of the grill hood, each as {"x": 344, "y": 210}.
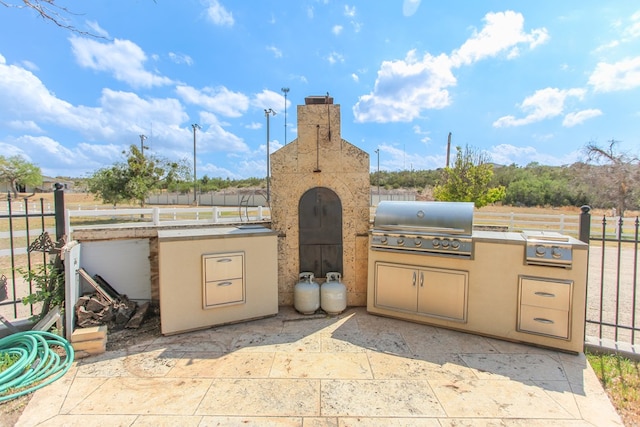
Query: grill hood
{"x": 444, "y": 218}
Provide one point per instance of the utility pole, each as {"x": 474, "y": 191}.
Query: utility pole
{"x": 195, "y": 179}
{"x": 448, "y": 148}
{"x": 286, "y": 91}
{"x": 267, "y": 113}
{"x": 142, "y": 138}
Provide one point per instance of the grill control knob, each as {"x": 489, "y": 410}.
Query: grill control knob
{"x": 540, "y": 250}
{"x": 400, "y": 241}
{"x": 383, "y": 240}
{"x": 455, "y": 244}
{"x": 435, "y": 242}
{"x": 445, "y": 244}
{"x": 418, "y": 242}
{"x": 556, "y": 252}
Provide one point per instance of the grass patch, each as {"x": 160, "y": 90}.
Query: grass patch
{"x": 6, "y": 360}
{"x": 620, "y": 377}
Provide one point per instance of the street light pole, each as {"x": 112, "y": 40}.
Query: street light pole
{"x": 267, "y": 113}
{"x": 285, "y": 90}
{"x": 195, "y": 180}
{"x": 378, "y": 173}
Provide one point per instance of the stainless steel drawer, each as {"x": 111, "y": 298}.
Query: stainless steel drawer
{"x": 223, "y": 292}
{"x": 546, "y": 294}
{"x": 221, "y": 267}
{"x": 544, "y": 321}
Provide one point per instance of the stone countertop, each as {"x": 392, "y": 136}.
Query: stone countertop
{"x": 510, "y": 237}
{"x": 215, "y": 233}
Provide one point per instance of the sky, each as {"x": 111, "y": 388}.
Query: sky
{"x": 521, "y": 81}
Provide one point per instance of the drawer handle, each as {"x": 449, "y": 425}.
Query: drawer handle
{"x": 224, "y": 260}
{"x": 225, "y": 283}
{"x": 545, "y": 294}
{"x": 542, "y": 320}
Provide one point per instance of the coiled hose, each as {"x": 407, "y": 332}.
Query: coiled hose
{"x": 38, "y": 364}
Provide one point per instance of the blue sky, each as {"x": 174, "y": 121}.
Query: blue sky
{"x": 523, "y": 81}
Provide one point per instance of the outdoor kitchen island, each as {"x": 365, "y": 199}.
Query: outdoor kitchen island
{"x": 494, "y": 289}
{"x": 218, "y": 275}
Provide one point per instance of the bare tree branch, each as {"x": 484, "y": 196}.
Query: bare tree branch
{"x": 49, "y": 11}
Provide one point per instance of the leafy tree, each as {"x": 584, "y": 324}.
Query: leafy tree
{"x": 621, "y": 174}
{"x": 468, "y": 180}
{"x": 17, "y": 171}
{"x": 136, "y": 178}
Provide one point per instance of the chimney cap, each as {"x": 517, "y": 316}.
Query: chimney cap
{"x": 320, "y": 99}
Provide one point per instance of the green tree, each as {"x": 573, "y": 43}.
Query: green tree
{"x": 17, "y": 171}
{"x": 136, "y": 178}
{"x": 468, "y": 180}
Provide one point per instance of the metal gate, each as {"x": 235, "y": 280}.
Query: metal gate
{"x": 27, "y": 228}
{"x": 612, "y": 294}
{"x": 320, "y": 227}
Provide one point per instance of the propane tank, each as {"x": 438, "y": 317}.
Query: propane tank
{"x": 333, "y": 294}
{"x": 306, "y": 294}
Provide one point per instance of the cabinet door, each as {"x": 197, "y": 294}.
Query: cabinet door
{"x": 396, "y": 287}
{"x": 443, "y": 293}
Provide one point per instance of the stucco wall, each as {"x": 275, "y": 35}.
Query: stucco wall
{"x": 319, "y": 157}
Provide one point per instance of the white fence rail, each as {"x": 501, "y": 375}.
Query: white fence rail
{"x": 155, "y": 217}
{"x": 512, "y": 221}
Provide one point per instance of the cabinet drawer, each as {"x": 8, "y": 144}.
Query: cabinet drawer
{"x": 545, "y": 294}
{"x": 544, "y": 321}
{"x": 223, "y": 267}
{"x": 223, "y": 292}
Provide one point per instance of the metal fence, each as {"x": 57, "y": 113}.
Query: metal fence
{"x": 612, "y": 295}
{"x": 25, "y": 227}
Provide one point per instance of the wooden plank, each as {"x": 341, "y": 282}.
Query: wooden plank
{"x": 53, "y": 316}
{"x": 94, "y": 284}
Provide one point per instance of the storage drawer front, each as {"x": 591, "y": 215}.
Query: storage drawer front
{"x": 223, "y": 292}
{"x": 544, "y": 321}
{"x": 222, "y": 267}
{"x": 540, "y": 293}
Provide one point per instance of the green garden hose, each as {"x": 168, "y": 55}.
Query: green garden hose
{"x": 38, "y": 364}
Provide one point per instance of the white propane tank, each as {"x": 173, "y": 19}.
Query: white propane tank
{"x": 306, "y": 294}
{"x": 333, "y": 294}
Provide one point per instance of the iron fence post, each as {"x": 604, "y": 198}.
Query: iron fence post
{"x": 585, "y": 223}
{"x": 58, "y": 199}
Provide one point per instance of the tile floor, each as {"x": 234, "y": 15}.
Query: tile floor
{"x": 354, "y": 369}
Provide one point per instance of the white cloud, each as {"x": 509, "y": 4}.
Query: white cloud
{"x": 219, "y": 100}
{"x": 95, "y": 29}
{"x": 622, "y": 75}
{"x": 355, "y": 77}
{"x": 409, "y": 7}
{"x": 277, "y": 53}
{"x": 507, "y": 154}
{"x": 214, "y": 137}
{"x": 335, "y": 57}
{"x": 337, "y": 29}
{"x": 543, "y": 104}
{"x": 218, "y": 15}
{"x": 268, "y": 99}
{"x": 180, "y": 58}
{"x": 502, "y": 32}
{"x": 349, "y": 11}
{"x": 404, "y": 88}
{"x": 573, "y": 119}
{"x": 121, "y": 58}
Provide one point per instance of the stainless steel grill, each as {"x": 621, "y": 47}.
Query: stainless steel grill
{"x": 443, "y": 228}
